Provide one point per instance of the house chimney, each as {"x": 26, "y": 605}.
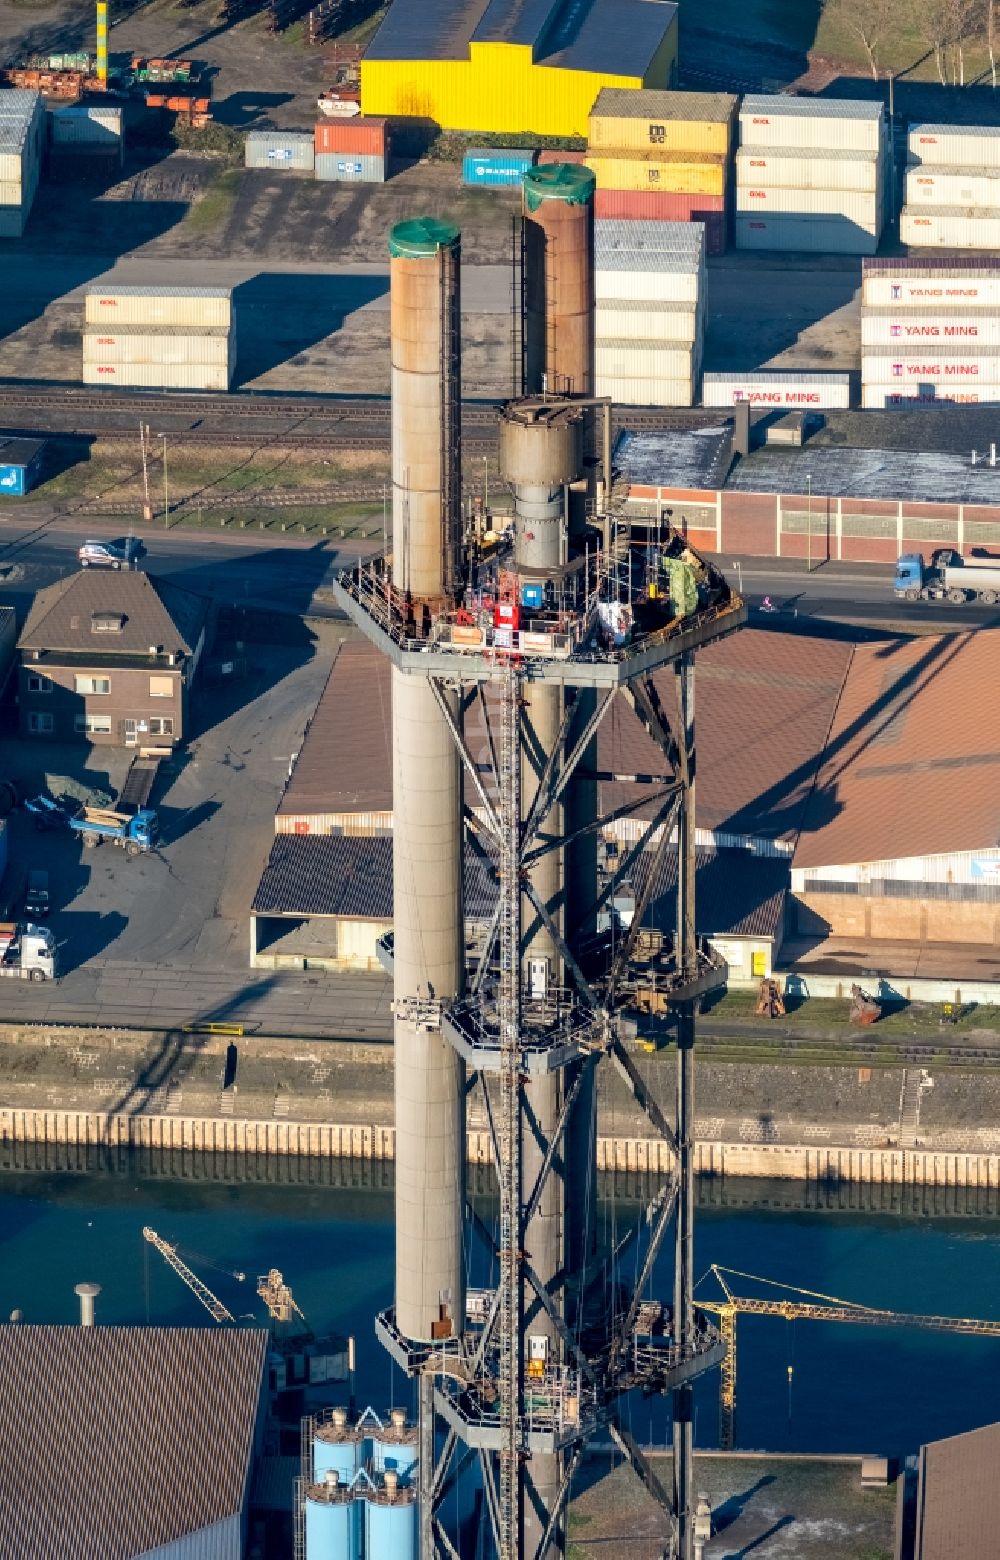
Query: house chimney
{"x": 88, "y": 1294}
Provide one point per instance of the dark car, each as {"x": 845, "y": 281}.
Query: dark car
{"x": 123, "y": 553}
{"x": 45, "y": 813}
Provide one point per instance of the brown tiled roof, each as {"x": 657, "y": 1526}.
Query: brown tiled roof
{"x": 958, "y": 1512}
{"x": 764, "y": 705}
{"x": 913, "y": 762}
{"x": 116, "y": 1441}
{"x": 345, "y": 761}
{"x": 155, "y": 612}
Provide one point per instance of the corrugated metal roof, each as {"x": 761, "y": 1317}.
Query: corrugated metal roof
{"x": 155, "y": 613}
{"x": 688, "y": 107}
{"x": 20, "y": 452}
{"x": 111, "y": 289}
{"x": 736, "y": 894}
{"x": 912, "y": 767}
{"x": 118, "y": 1440}
{"x": 687, "y": 458}
{"x": 345, "y": 761}
{"x": 958, "y": 1508}
{"x": 350, "y": 876}
{"x": 808, "y": 107}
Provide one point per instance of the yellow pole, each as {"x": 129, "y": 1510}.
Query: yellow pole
{"x": 102, "y": 42}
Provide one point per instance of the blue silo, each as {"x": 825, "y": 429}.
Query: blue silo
{"x": 339, "y": 1446}
{"x": 394, "y": 1447}
{"x": 390, "y": 1521}
{"x": 334, "y": 1522}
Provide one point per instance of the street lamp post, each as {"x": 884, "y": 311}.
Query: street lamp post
{"x": 486, "y": 486}
{"x": 166, "y": 491}
{"x": 809, "y": 524}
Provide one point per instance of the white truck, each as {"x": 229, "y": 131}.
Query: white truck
{"x": 948, "y": 577}
{"x": 27, "y": 952}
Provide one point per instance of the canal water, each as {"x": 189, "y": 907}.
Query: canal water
{"x": 802, "y": 1385}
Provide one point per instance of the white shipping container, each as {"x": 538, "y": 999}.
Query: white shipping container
{"x": 289, "y": 150}
{"x": 136, "y": 344}
{"x": 819, "y": 392}
{"x": 934, "y": 186}
{"x": 933, "y": 366}
{"x": 90, "y": 126}
{"x": 864, "y": 210}
{"x": 837, "y": 124}
{"x": 926, "y": 287}
{"x": 11, "y": 192}
{"x": 946, "y": 328}
{"x": 107, "y": 303}
{"x": 795, "y": 232}
{"x": 626, "y": 359}
{"x": 959, "y": 146}
{"x": 163, "y": 376}
{"x": 646, "y": 392}
{"x": 879, "y": 397}
{"x": 800, "y": 169}
{"x": 630, "y": 321}
{"x": 626, "y": 234}
{"x": 950, "y": 227}
{"x": 668, "y": 285}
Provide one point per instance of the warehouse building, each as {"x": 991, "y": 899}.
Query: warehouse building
{"x": 949, "y": 1499}
{"x": 535, "y": 67}
{"x": 125, "y": 1443}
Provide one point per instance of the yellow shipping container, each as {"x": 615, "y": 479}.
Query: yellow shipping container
{"x": 677, "y": 174}
{"x": 675, "y": 121}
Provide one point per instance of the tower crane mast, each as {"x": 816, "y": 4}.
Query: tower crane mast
{"x": 213, "y": 1305}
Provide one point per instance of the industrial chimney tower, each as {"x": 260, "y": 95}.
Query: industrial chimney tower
{"x": 516, "y": 649}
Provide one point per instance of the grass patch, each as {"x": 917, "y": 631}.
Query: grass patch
{"x": 914, "y": 1018}
{"x": 215, "y": 207}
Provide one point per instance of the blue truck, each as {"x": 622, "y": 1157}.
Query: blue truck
{"x": 135, "y": 833}
{"x": 948, "y": 577}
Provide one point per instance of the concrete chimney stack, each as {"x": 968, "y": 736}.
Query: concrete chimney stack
{"x": 88, "y": 1294}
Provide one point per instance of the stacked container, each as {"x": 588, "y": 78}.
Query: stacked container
{"x": 86, "y": 138}
{"x": 352, "y": 151}
{"x": 649, "y": 291}
{"x": 504, "y": 167}
{"x": 664, "y": 156}
{"x": 280, "y": 150}
{"x": 952, "y": 187}
{"x": 159, "y": 338}
{"x": 22, "y": 135}
{"x": 810, "y": 175}
{"x": 930, "y": 331}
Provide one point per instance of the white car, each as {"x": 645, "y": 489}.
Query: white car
{"x": 123, "y": 553}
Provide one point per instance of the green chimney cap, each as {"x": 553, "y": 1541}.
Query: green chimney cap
{"x": 421, "y": 237}
{"x": 571, "y": 182}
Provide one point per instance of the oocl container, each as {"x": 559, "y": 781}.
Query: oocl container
{"x": 950, "y": 227}
{"x": 211, "y": 346}
{"x": 962, "y": 146}
{"x": 684, "y": 173}
{"x": 930, "y": 185}
{"x": 837, "y": 124}
{"x": 677, "y": 121}
{"x": 159, "y": 376}
{"x": 349, "y": 168}
{"x": 894, "y": 327}
{"x": 482, "y": 165}
{"x": 863, "y": 210}
{"x": 107, "y": 302}
{"x": 924, "y": 282}
{"x": 290, "y": 150}
{"x": 813, "y": 169}
{"x": 365, "y": 135}
{"x": 819, "y": 392}
{"x": 803, "y": 233}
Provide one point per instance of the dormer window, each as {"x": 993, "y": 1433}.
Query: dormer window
{"x": 107, "y": 622}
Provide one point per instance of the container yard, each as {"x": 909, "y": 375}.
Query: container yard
{"x": 952, "y": 188}
{"x": 652, "y": 272}
{"x": 168, "y": 338}
{"x": 930, "y": 330}
{"x": 810, "y": 175}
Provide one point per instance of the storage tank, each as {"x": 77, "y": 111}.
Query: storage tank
{"x": 558, "y": 210}
{"x": 394, "y": 1447}
{"x": 390, "y": 1521}
{"x": 333, "y": 1521}
{"x": 338, "y": 1447}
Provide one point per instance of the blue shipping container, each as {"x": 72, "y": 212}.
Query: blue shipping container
{"x": 501, "y": 167}
{"x": 20, "y": 464}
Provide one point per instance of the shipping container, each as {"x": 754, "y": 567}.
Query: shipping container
{"x": 640, "y": 206}
{"x": 928, "y": 283}
{"x": 957, "y": 146}
{"x": 929, "y": 185}
{"x": 345, "y": 168}
{"x": 645, "y": 392}
{"x": 555, "y": 155}
{"x": 212, "y": 346}
{"x": 503, "y": 166}
{"x": 796, "y": 233}
{"x": 365, "y": 135}
{"x": 915, "y": 365}
{"x": 950, "y": 227}
{"x": 89, "y": 124}
{"x": 888, "y": 327}
{"x": 793, "y": 391}
{"x": 290, "y": 150}
{"x": 670, "y": 283}
{"x": 879, "y": 397}
{"x": 683, "y": 173}
{"x": 630, "y": 359}
{"x": 835, "y": 124}
{"x": 11, "y": 192}
{"x": 616, "y": 236}
{"x": 162, "y": 376}
{"x": 627, "y": 320}
{"x": 809, "y": 170}
{"x": 107, "y": 302}
{"x": 863, "y": 210}
{"x": 679, "y": 121}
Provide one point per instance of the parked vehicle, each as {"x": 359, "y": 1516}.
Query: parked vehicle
{"x": 139, "y": 781}
{"x": 27, "y": 952}
{"x": 124, "y": 553}
{"x": 36, "y": 900}
{"x": 948, "y": 577}
{"x": 134, "y": 834}
{"x": 46, "y": 813}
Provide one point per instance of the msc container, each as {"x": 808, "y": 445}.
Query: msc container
{"x": 366, "y": 135}
{"x": 157, "y": 376}
{"x": 879, "y": 397}
{"x": 835, "y": 124}
{"x": 88, "y": 124}
{"x": 821, "y": 392}
{"x": 863, "y": 210}
{"x": 959, "y": 146}
{"x": 504, "y": 167}
{"x": 950, "y": 227}
{"x": 930, "y": 185}
{"x": 645, "y": 392}
{"x": 681, "y": 121}
{"x": 684, "y": 173}
{"x": 347, "y": 168}
{"x": 808, "y": 170}
{"x": 211, "y": 346}
{"x": 282, "y": 149}
{"x": 889, "y": 327}
{"x": 908, "y": 365}
{"x": 630, "y": 359}
{"x": 803, "y": 234}
{"x": 108, "y": 303}
{"x": 626, "y": 320}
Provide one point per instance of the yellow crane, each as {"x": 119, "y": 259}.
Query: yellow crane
{"x": 797, "y": 1304}
{"x": 213, "y": 1305}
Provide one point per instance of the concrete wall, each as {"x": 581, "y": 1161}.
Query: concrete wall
{"x": 905, "y": 920}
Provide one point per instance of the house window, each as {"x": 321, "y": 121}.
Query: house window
{"x": 161, "y": 687}
{"x": 90, "y": 685}
{"x": 39, "y": 684}
{"x": 93, "y": 725}
{"x": 161, "y": 726}
{"x": 40, "y": 721}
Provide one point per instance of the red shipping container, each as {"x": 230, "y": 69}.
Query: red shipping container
{"x": 552, "y": 156}
{"x": 655, "y": 205}
{"x": 364, "y": 135}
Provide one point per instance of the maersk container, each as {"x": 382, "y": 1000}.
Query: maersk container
{"x": 950, "y": 227}
{"x": 880, "y": 397}
{"x": 645, "y": 392}
{"x": 674, "y": 280}
{"x": 108, "y": 303}
{"x": 86, "y": 124}
{"x": 958, "y": 146}
{"x": 497, "y": 167}
{"x": 835, "y": 124}
{"x": 629, "y": 359}
{"x": 792, "y": 391}
{"x": 808, "y": 170}
{"x": 953, "y": 327}
{"x": 162, "y": 376}
{"x": 283, "y": 150}
{"x": 930, "y": 364}
{"x": 629, "y": 321}
{"x": 683, "y": 173}
{"x": 936, "y": 186}
{"x": 346, "y": 168}
{"x": 796, "y": 233}
{"x": 863, "y": 210}
{"x": 211, "y": 346}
